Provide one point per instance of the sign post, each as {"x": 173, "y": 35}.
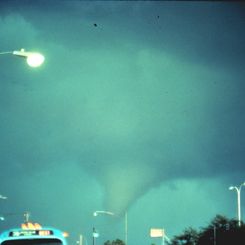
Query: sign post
{"x": 156, "y": 232}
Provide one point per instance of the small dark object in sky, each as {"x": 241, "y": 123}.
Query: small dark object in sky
{"x": 95, "y": 24}
{"x": 158, "y": 16}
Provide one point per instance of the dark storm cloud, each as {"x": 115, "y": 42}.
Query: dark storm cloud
{"x": 166, "y": 26}
{"x": 135, "y": 102}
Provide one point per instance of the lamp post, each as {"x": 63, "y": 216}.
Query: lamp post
{"x": 96, "y": 213}
{"x": 33, "y": 59}
{"x": 238, "y": 190}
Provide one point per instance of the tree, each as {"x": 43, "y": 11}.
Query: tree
{"x": 114, "y": 242}
{"x": 189, "y": 237}
{"x": 220, "y": 231}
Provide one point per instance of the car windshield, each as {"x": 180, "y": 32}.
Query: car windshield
{"x": 33, "y": 242}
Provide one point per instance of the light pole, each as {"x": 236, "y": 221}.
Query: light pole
{"x": 238, "y": 190}
{"x": 33, "y": 59}
{"x": 96, "y": 213}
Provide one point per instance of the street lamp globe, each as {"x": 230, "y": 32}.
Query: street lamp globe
{"x": 35, "y": 59}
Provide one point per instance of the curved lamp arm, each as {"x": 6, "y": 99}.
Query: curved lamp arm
{"x": 102, "y": 212}
{"x": 33, "y": 59}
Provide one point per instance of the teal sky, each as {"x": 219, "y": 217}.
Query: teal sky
{"x": 138, "y": 108}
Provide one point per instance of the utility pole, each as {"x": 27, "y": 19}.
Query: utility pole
{"x": 93, "y": 236}
{"x": 27, "y": 216}
{"x": 214, "y": 234}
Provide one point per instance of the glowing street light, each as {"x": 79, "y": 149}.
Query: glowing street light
{"x": 96, "y": 213}
{"x": 33, "y": 59}
{"x": 238, "y": 190}
{"x": 2, "y": 197}
{"x": 102, "y": 212}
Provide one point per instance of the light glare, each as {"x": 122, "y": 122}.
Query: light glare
{"x": 35, "y": 59}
